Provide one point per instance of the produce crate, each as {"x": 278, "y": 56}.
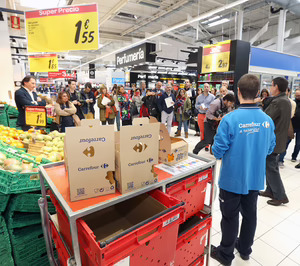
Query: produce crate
{"x": 4, "y": 119}
{"x": 12, "y": 123}
{"x": 150, "y": 242}
{"x": 192, "y": 240}
{"x": 28, "y": 245}
{"x": 11, "y": 111}
{"x": 23, "y": 210}
{"x": 14, "y": 183}
{"x": 63, "y": 254}
{"x": 191, "y": 190}
{"x": 3, "y": 202}
{"x": 8, "y": 148}
{"x": 5, "y": 247}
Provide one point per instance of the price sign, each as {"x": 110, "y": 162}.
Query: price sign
{"x": 216, "y": 57}
{"x": 36, "y": 116}
{"x": 43, "y": 63}
{"x": 63, "y": 74}
{"x": 62, "y": 29}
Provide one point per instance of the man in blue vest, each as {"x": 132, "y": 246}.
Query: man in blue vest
{"x": 244, "y": 139}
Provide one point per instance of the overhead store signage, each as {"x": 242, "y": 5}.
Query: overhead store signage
{"x": 216, "y": 57}
{"x": 43, "y": 63}
{"x": 63, "y": 74}
{"x": 36, "y": 116}
{"x": 118, "y": 81}
{"x": 63, "y": 29}
{"x": 136, "y": 55}
{"x": 15, "y": 22}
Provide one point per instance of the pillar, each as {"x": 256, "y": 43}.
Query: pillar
{"x": 6, "y": 67}
{"x": 281, "y": 30}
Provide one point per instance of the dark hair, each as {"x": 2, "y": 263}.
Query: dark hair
{"x": 282, "y": 83}
{"x": 71, "y": 80}
{"x": 59, "y": 97}
{"x": 27, "y": 79}
{"x": 264, "y": 90}
{"x": 88, "y": 85}
{"x": 229, "y": 98}
{"x": 249, "y": 86}
{"x": 119, "y": 88}
{"x": 137, "y": 89}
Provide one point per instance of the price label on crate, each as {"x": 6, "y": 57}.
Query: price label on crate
{"x": 43, "y": 63}
{"x": 216, "y": 57}
{"x": 36, "y": 116}
{"x": 63, "y": 29}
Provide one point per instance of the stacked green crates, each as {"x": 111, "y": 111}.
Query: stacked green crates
{"x": 3, "y": 115}
{"x": 5, "y": 247}
{"x": 24, "y": 224}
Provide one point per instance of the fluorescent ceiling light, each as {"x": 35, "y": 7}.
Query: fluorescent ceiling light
{"x": 41, "y": 4}
{"x": 72, "y": 57}
{"x": 211, "y": 19}
{"x": 218, "y": 22}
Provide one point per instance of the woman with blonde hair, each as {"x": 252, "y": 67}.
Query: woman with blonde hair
{"x": 106, "y": 104}
{"x": 183, "y": 108}
{"x": 65, "y": 111}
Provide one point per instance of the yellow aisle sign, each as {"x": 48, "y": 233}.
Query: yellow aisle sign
{"x": 36, "y": 116}
{"x": 43, "y": 63}
{"x": 62, "y": 29}
{"x": 216, "y": 57}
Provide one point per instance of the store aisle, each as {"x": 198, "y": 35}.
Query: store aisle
{"x": 277, "y": 240}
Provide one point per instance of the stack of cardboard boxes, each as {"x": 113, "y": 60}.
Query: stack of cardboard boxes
{"x": 99, "y": 160}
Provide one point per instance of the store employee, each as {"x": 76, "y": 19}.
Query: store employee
{"x": 26, "y": 96}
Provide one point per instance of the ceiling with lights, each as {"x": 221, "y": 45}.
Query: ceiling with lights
{"x": 123, "y": 23}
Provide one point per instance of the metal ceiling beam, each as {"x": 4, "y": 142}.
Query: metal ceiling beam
{"x": 184, "y": 39}
{"x": 260, "y": 33}
{"x": 273, "y": 40}
{"x": 113, "y": 11}
{"x": 174, "y": 27}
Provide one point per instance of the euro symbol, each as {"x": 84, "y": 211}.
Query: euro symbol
{"x": 89, "y": 152}
{"x": 140, "y": 147}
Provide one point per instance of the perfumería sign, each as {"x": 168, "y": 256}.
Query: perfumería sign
{"x": 136, "y": 55}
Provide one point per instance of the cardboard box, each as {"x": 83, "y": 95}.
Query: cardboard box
{"x": 171, "y": 150}
{"x": 90, "y": 122}
{"x": 116, "y": 219}
{"x": 136, "y": 153}
{"x": 90, "y": 160}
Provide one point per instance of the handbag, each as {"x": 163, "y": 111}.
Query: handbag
{"x": 77, "y": 121}
{"x": 187, "y": 114}
{"x": 108, "y": 111}
{"x": 133, "y": 110}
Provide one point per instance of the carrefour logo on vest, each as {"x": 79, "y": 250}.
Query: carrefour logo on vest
{"x": 266, "y": 124}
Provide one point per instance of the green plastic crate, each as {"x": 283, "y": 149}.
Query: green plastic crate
{"x": 28, "y": 203}
{"x": 3, "y": 202}
{"x": 4, "y": 119}
{"x": 6, "y": 259}
{"x": 23, "y": 219}
{"x": 5, "y": 245}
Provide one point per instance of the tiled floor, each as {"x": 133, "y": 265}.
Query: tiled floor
{"x": 277, "y": 239}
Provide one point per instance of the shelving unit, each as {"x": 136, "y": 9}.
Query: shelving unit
{"x": 56, "y": 177}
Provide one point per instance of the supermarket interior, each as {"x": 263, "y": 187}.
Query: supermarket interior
{"x": 149, "y": 132}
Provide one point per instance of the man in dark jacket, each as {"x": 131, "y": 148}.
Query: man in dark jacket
{"x": 150, "y": 104}
{"x": 296, "y": 126}
{"x": 25, "y": 96}
{"x": 166, "y": 106}
{"x": 280, "y": 111}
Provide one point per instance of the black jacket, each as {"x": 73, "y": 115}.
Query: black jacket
{"x": 74, "y": 96}
{"x": 280, "y": 111}
{"x": 296, "y": 118}
{"x": 87, "y": 107}
{"x": 150, "y": 102}
{"x": 22, "y": 99}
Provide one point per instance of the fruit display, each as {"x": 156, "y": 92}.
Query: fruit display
{"x": 14, "y": 165}
{"x": 52, "y": 144}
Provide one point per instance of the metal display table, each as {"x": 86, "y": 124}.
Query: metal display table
{"x": 56, "y": 177}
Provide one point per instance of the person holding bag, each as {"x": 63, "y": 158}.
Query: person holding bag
{"x": 106, "y": 104}
{"x": 124, "y": 105}
{"x": 183, "y": 108}
{"x": 65, "y": 111}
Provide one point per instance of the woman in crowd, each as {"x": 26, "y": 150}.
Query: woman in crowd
{"x": 74, "y": 98}
{"x": 263, "y": 100}
{"x": 182, "y": 108}
{"x": 149, "y": 108}
{"x": 124, "y": 105}
{"x": 87, "y": 100}
{"x": 214, "y": 91}
{"x": 197, "y": 129}
{"x": 106, "y": 104}
{"x": 65, "y": 111}
{"x": 136, "y": 103}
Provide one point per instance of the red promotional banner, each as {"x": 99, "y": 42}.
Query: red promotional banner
{"x": 43, "y": 79}
{"x": 15, "y": 22}
{"x": 63, "y": 74}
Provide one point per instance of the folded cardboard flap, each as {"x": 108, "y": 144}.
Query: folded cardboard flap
{"x": 90, "y": 122}
{"x": 114, "y": 220}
